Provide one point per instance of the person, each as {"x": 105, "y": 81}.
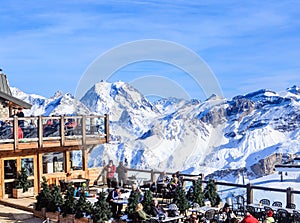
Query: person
{"x": 140, "y": 213}
{"x": 112, "y": 197}
{"x": 156, "y": 209}
{"x": 226, "y": 214}
{"x": 162, "y": 178}
{"x": 269, "y": 217}
{"x": 137, "y": 190}
{"x": 110, "y": 169}
{"x": 122, "y": 174}
{"x": 20, "y": 114}
{"x": 174, "y": 182}
{"x": 70, "y": 126}
{"x": 249, "y": 219}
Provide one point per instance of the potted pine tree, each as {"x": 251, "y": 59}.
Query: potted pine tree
{"x": 211, "y": 193}
{"x": 83, "y": 208}
{"x": 23, "y": 187}
{"x": 147, "y": 201}
{"x": 180, "y": 200}
{"x": 43, "y": 199}
{"x": 55, "y": 203}
{"x": 101, "y": 211}
{"x": 198, "y": 195}
{"x": 69, "y": 207}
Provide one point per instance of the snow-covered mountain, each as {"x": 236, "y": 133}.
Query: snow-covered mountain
{"x": 58, "y": 104}
{"x": 178, "y": 134}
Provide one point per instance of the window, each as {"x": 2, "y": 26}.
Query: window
{"x": 53, "y": 162}
{"x": 76, "y": 160}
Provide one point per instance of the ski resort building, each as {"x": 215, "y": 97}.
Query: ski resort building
{"x": 44, "y": 146}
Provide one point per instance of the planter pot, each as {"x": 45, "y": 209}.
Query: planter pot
{"x": 83, "y": 220}
{"x": 18, "y": 193}
{"x": 54, "y": 216}
{"x": 40, "y": 214}
{"x": 70, "y": 218}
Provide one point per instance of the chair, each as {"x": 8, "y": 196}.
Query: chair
{"x": 282, "y": 216}
{"x": 63, "y": 185}
{"x": 291, "y": 205}
{"x": 277, "y": 204}
{"x": 240, "y": 205}
{"x": 296, "y": 216}
{"x": 265, "y": 202}
{"x": 209, "y": 214}
{"x": 253, "y": 212}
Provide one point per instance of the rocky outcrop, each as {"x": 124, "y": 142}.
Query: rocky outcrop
{"x": 267, "y": 166}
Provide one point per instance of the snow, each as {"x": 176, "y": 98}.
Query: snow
{"x": 188, "y": 135}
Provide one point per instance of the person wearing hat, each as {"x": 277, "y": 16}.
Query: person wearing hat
{"x": 227, "y": 214}
{"x": 269, "y": 217}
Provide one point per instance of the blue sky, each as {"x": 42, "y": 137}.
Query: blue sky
{"x": 48, "y": 45}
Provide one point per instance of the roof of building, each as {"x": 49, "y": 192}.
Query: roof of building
{"x": 6, "y": 94}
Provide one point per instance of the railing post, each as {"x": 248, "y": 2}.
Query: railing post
{"x": 289, "y": 197}
{"x": 62, "y": 131}
{"x": 106, "y": 127}
{"x": 15, "y": 132}
{"x": 83, "y": 130}
{"x": 249, "y": 193}
{"x": 40, "y": 131}
{"x": 152, "y": 175}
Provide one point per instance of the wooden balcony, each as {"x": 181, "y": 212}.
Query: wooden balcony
{"x": 46, "y": 134}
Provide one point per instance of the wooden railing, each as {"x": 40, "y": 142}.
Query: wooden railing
{"x": 249, "y": 188}
{"x": 41, "y": 132}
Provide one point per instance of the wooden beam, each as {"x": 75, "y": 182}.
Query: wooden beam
{"x": 15, "y": 132}
{"x": 62, "y": 131}
{"x": 106, "y": 127}
{"x": 40, "y": 131}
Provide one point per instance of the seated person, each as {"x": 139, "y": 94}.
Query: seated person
{"x": 226, "y": 214}
{"x": 140, "y": 213}
{"x": 174, "y": 182}
{"x": 269, "y": 217}
{"x": 114, "y": 195}
{"x": 156, "y": 209}
{"x": 249, "y": 219}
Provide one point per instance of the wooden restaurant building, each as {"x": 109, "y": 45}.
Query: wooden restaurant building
{"x": 54, "y": 147}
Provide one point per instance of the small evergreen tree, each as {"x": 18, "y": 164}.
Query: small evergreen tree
{"x": 180, "y": 200}
{"x": 55, "y": 200}
{"x": 43, "y": 198}
{"x": 133, "y": 200}
{"x": 69, "y": 206}
{"x": 101, "y": 211}
{"x": 210, "y": 193}
{"x": 147, "y": 201}
{"x": 198, "y": 195}
{"x": 83, "y": 207}
{"x": 22, "y": 181}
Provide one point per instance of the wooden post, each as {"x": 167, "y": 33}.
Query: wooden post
{"x": 2, "y": 184}
{"x": 106, "y": 127}
{"x": 152, "y": 175}
{"x": 39, "y": 161}
{"x": 249, "y": 193}
{"x": 289, "y": 197}
{"x": 15, "y": 132}
{"x": 84, "y": 159}
{"x": 83, "y": 125}
{"x": 40, "y": 131}
{"x": 62, "y": 131}
{"x": 67, "y": 161}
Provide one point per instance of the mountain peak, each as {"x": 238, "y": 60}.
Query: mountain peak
{"x": 295, "y": 90}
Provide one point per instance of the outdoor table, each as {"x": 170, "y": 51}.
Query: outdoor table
{"x": 121, "y": 201}
{"x": 168, "y": 219}
{"x": 203, "y": 209}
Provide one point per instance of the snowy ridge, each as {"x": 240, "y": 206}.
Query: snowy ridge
{"x": 178, "y": 134}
